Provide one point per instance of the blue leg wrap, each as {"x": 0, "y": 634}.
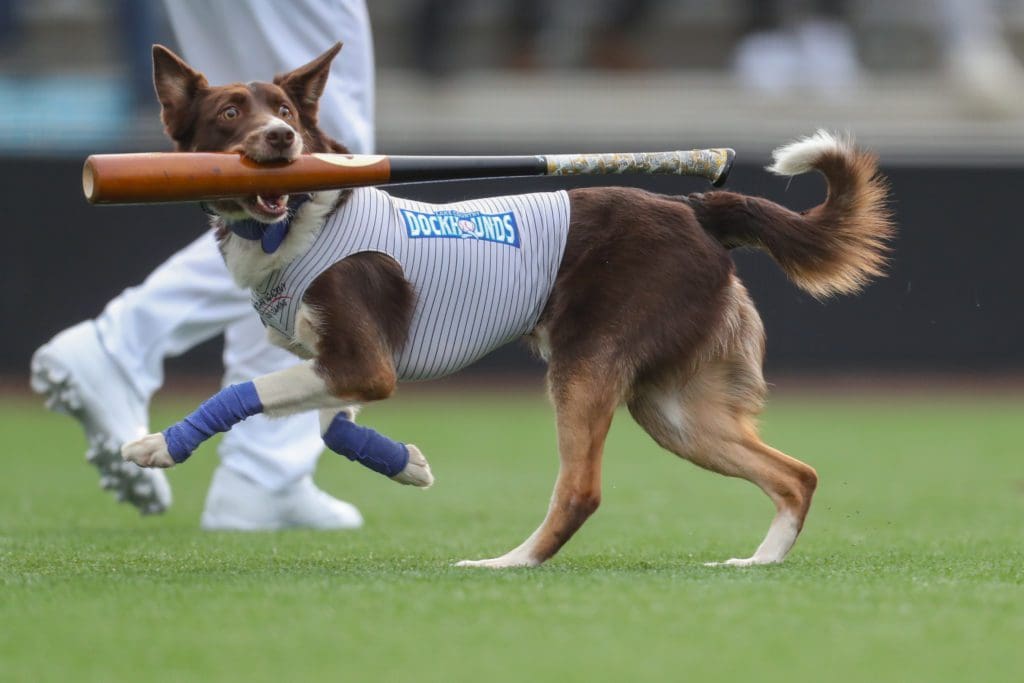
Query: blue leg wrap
{"x": 365, "y": 446}
{"x": 218, "y": 413}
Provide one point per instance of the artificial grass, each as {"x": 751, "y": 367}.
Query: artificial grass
{"x": 911, "y": 567}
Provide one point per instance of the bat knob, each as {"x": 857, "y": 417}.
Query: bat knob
{"x": 723, "y": 175}
{"x": 89, "y": 181}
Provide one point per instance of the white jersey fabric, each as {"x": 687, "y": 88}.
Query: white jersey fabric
{"x": 482, "y": 270}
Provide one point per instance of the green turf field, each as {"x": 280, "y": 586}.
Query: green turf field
{"x": 911, "y": 567}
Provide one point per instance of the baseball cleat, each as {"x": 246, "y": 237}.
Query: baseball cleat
{"x": 236, "y": 503}
{"x": 78, "y": 378}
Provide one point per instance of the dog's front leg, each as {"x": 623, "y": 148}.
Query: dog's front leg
{"x": 295, "y": 389}
{"x": 354, "y": 364}
{"x": 402, "y": 463}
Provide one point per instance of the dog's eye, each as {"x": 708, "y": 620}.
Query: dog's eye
{"x": 284, "y": 112}
{"x": 230, "y": 113}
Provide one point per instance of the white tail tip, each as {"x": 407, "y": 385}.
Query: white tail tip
{"x": 801, "y": 156}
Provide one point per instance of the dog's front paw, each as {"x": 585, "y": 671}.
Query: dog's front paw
{"x": 149, "y": 451}
{"x": 417, "y": 470}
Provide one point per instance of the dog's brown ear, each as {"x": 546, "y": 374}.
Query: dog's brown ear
{"x": 306, "y": 84}
{"x": 177, "y": 85}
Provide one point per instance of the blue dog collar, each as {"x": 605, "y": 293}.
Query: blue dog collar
{"x": 270, "y": 235}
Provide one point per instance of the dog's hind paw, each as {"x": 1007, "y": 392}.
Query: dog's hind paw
{"x": 149, "y": 451}
{"x": 745, "y": 562}
{"x": 417, "y": 470}
{"x": 503, "y": 562}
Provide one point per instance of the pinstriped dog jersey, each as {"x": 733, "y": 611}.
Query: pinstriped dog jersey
{"x": 482, "y": 270}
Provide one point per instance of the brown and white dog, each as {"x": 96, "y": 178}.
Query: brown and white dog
{"x": 646, "y": 308}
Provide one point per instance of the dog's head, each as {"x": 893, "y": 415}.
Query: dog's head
{"x": 264, "y": 121}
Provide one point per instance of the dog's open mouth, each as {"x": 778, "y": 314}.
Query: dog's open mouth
{"x": 271, "y": 208}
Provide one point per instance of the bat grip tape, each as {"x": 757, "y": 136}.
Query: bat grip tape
{"x": 219, "y": 413}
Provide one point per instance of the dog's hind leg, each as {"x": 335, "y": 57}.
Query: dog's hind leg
{"x": 701, "y": 423}
{"x": 790, "y": 484}
{"x": 708, "y": 416}
{"x": 584, "y": 407}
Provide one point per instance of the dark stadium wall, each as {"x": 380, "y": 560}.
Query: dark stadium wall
{"x": 952, "y": 302}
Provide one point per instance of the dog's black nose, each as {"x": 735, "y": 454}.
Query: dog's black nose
{"x": 280, "y": 137}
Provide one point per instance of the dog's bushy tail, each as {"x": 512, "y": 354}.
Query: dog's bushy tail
{"x": 835, "y": 248}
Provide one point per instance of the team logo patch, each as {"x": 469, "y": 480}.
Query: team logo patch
{"x": 500, "y": 228}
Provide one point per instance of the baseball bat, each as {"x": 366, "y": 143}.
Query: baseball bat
{"x": 196, "y": 176}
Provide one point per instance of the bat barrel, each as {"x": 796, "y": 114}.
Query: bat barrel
{"x": 197, "y": 176}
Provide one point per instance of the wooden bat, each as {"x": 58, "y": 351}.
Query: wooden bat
{"x": 196, "y": 176}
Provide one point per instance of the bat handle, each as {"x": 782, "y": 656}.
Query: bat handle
{"x": 713, "y": 164}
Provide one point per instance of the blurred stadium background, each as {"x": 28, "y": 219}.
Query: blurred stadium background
{"x": 938, "y": 94}
{"x": 911, "y": 566}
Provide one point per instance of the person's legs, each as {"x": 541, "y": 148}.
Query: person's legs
{"x": 187, "y": 300}
{"x": 277, "y": 456}
{"x": 104, "y": 371}
{"x": 191, "y": 297}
